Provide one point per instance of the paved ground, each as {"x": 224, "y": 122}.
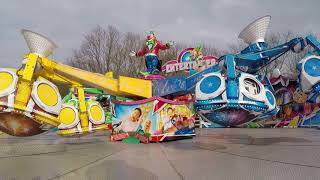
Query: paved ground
{"x": 239, "y": 154}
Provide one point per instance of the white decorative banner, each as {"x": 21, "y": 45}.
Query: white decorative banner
{"x": 189, "y": 65}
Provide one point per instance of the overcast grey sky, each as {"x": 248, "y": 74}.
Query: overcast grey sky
{"x": 217, "y": 22}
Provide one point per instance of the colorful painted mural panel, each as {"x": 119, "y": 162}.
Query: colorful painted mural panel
{"x": 157, "y": 118}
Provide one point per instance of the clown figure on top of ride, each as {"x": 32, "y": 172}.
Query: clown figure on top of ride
{"x": 151, "y": 53}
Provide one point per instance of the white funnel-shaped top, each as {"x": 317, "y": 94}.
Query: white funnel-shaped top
{"x": 38, "y": 43}
{"x": 255, "y": 31}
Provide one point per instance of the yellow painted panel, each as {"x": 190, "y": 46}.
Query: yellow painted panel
{"x": 30, "y": 66}
{"x": 83, "y": 108}
{"x": 67, "y": 116}
{"x": 6, "y": 80}
{"x": 109, "y": 74}
{"x": 23, "y": 93}
{"x": 134, "y": 86}
{"x": 96, "y": 112}
{"x": 47, "y": 94}
{"x": 74, "y": 131}
{"x": 68, "y": 132}
{"x": 43, "y": 117}
{"x": 82, "y": 104}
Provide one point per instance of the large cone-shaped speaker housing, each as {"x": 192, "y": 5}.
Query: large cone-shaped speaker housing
{"x": 255, "y": 31}
{"x": 38, "y": 43}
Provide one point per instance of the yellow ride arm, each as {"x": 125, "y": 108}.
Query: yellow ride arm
{"x": 125, "y": 86}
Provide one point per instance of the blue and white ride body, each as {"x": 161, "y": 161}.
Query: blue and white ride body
{"x": 238, "y": 87}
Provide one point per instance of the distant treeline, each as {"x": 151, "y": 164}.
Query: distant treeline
{"x": 107, "y": 49}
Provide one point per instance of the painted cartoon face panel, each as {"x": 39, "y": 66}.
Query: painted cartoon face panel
{"x": 136, "y": 115}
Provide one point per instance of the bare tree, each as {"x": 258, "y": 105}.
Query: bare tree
{"x": 104, "y": 50}
{"x": 107, "y": 49}
{"x": 286, "y": 63}
{"x": 97, "y": 50}
{"x": 130, "y": 65}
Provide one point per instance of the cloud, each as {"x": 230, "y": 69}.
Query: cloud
{"x": 216, "y": 22}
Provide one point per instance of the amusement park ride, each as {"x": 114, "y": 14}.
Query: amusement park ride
{"x": 228, "y": 90}
{"x": 31, "y": 103}
{"x": 237, "y": 92}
